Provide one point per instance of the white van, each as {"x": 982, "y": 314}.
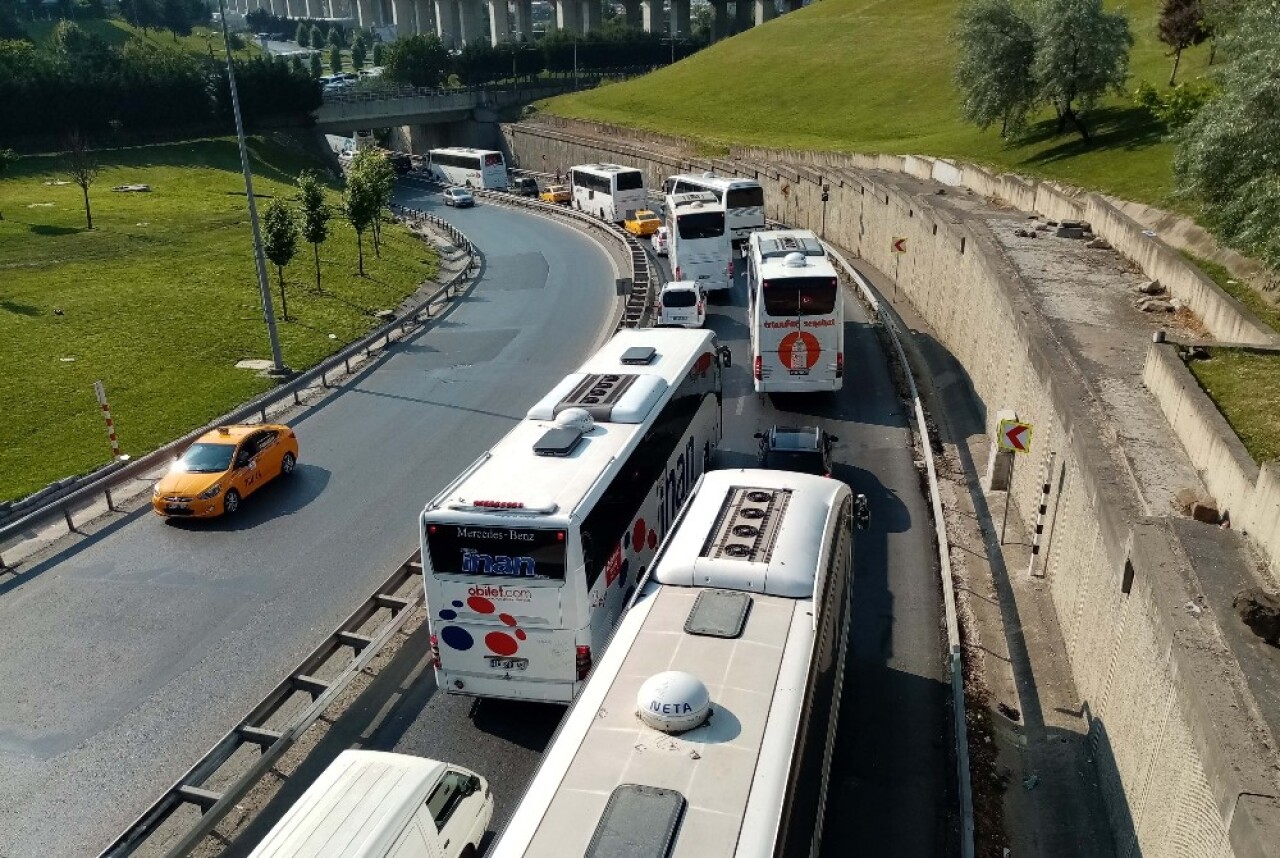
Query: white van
{"x": 681, "y": 303}
{"x": 370, "y": 804}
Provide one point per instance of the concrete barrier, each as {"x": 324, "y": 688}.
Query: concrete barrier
{"x": 1179, "y": 751}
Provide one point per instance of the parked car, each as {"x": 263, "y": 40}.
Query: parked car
{"x": 523, "y": 186}
{"x": 644, "y": 223}
{"x": 806, "y": 449}
{"x": 372, "y": 804}
{"x": 681, "y": 303}
{"x": 556, "y": 194}
{"x": 458, "y": 198}
{"x": 223, "y": 467}
{"x": 661, "y": 241}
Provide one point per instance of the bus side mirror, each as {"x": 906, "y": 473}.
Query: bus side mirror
{"x": 726, "y": 356}
{"x": 861, "y": 512}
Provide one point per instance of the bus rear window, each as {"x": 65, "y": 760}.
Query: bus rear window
{"x": 700, "y": 225}
{"x": 800, "y": 296}
{"x": 630, "y": 181}
{"x": 496, "y": 552}
{"x": 742, "y": 198}
{"x": 493, "y": 160}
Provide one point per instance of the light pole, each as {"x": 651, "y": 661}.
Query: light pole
{"x": 264, "y": 285}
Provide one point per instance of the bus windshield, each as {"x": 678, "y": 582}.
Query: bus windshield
{"x": 800, "y": 296}
{"x": 630, "y": 181}
{"x": 497, "y": 552}
{"x": 742, "y": 198}
{"x": 700, "y": 225}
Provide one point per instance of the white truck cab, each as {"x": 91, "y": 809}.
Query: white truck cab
{"x": 370, "y": 804}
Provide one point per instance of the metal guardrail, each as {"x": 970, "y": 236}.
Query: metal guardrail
{"x": 965, "y": 786}
{"x": 256, "y": 727}
{"x": 382, "y": 92}
{"x": 102, "y": 482}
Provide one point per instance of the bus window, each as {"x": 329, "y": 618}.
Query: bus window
{"x": 632, "y": 181}
{"x": 496, "y": 551}
{"x": 700, "y": 225}
{"x": 809, "y": 296}
{"x": 742, "y": 198}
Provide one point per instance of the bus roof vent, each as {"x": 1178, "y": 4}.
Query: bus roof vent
{"x": 638, "y": 822}
{"x": 612, "y": 397}
{"x": 559, "y": 441}
{"x": 639, "y": 355}
{"x": 709, "y": 174}
{"x": 718, "y": 614}
{"x": 747, "y": 525}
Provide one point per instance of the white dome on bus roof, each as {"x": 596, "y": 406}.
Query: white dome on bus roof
{"x": 673, "y": 701}
{"x": 576, "y": 418}
{"x": 794, "y": 260}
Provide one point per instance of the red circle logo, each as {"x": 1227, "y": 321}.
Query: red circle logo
{"x": 799, "y": 350}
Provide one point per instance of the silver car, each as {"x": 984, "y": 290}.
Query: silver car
{"x": 458, "y": 197}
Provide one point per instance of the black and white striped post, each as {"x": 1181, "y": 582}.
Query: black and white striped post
{"x": 1046, "y": 482}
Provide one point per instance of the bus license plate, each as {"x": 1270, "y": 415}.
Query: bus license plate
{"x": 508, "y": 663}
{"x": 799, "y": 372}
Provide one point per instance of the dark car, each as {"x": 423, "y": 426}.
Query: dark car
{"x": 523, "y": 186}
{"x": 806, "y": 449}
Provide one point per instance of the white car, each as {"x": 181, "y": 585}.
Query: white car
{"x": 661, "y": 242}
{"x": 458, "y": 198}
{"x": 681, "y": 304}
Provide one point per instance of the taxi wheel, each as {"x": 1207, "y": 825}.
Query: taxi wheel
{"x": 287, "y": 464}
{"x": 230, "y": 502}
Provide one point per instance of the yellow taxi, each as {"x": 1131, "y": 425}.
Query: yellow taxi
{"x": 644, "y": 223}
{"x": 222, "y": 468}
{"x": 556, "y": 194}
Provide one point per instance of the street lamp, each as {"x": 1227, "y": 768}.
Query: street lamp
{"x": 826, "y": 195}
{"x": 264, "y": 285}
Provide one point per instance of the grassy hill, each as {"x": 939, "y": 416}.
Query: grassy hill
{"x": 875, "y": 76}
{"x": 160, "y": 300}
{"x": 116, "y": 33}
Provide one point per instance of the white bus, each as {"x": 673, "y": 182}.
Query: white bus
{"x": 712, "y": 716}
{"x": 743, "y": 199}
{"x": 609, "y": 191}
{"x": 701, "y": 250}
{"x": 529, "y": 556}
{"x": 472, "y": 168}
{"x": 795, "y": 310}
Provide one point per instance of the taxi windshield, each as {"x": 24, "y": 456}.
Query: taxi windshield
{"x": 206, "y": 458}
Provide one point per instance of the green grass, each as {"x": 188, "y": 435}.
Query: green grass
{"x": 116, "y": 33}
{"x": 1240, "y": 290}
{"x": 159, "y": 301}
{"x": 875, "y": 76}
{"x": 1242, "y": 384}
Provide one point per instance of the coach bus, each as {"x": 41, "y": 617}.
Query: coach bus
{"x": 795, "y": 312}
{"x": 743, "y": 200}
{"x": 530, "y": 555}
{"x": 700, "y": 249}
{"x": 713, "y": 713}
{"x": 472, "y": 168}
{"x": 609, "y": 191}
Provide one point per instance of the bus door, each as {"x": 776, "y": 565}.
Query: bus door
{"x": 494, "y": 598}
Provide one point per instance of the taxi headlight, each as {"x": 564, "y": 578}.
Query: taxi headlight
{"x": 155, "y": 490}
{"x": 211, "y": 492}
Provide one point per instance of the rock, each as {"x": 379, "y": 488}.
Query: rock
{"x": 385, "y": 315}
{"x": 1205, "y": 510}
{"x": 1151, "y": 287}
{"x": 1069, "y": 232}
{"x": 1023, "y": 233}
{"x": 57, "y": 311}
{"x": 1099, "y": 244}
{"x": 1260, "y": 611}
{"x": 1009, "y": 712}
{"x": 1186, "y": 497}
{"x": 1155, "y": 305}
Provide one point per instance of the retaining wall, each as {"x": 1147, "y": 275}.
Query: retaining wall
{"x": 1185, "y": 769}
{"x": 1248, "y": 493}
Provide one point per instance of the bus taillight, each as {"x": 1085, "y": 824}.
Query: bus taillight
{"x": 758, "y": 369}
{"x": 730, "y": 269}
{"x": 677, "y": 272}
{"x": 839, "y": 364}
{"x": 435, "y": 652}
{"x": 583, "y": 661}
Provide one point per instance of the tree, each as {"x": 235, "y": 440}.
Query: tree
{"x": 303, "y": 36}
{"x": 335, "y": 59}
{"x": 316, "y": 38}
{"x": 280, "y": 241}
{"x": 1227, "y": 154}
{"x": 315, "y": 215}
{"x": 379, "y": 53}
{"x": 8, "y": 158}
{"x": 360, "y": 202}
{"x": 335, "y": 37}
{"x": 420, "y": 60}
{"x": 1181, "y": 26}
{"x": 997, "y": 49}
{"x": 1082, "y": 51}
{"x": 1220, "y": 18}
{"x": 81, "y": 165}
{"x": 316, "y": 65}
{"x": 295, "y": 63}
{"x": 359, "y": 52}
{"x": 381, "y": 176}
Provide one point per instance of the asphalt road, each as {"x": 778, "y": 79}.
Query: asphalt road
{"x": 130, "y": 653}
{"x": 891, "y": 793}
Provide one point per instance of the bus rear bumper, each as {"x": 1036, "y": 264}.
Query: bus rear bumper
{"x": 791, "y": 384}
{"x": 501, "y": 688}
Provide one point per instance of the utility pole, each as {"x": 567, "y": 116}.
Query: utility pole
{"x": 264, "y": 284}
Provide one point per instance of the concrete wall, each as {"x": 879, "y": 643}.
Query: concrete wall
{"x": 1251, "y": 495}
{"x": 1184, "y": 767}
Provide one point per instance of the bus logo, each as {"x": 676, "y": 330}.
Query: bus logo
{"x": 799, "y": 351}
{"x": 475, "y": 563}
